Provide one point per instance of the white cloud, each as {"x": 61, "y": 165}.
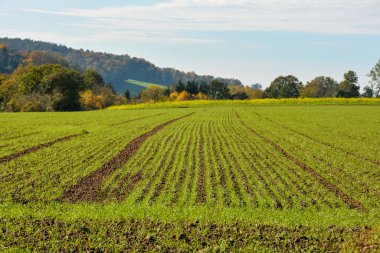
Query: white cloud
{"x": 320, "y": 16}
{"x": 106, "y": 36}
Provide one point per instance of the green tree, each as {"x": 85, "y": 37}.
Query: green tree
{"x": 127, "y": 94}
{"x": 256, "y": 86}
{"x": 374, "y": 76}
{"x": 9, "y": 59}
{"x": 368, "y": 92}
{"x": 321, "y": 86}
{"x": 191, "y": 87}
{"x": 179, "y": 87}
{"x": 68, "y": 83}
{"x": 348, "y": 87}
{"x": 284, "y": 87}
{"x": 203, "y": 87}
{"x": 92, "y": 80}
{"x": 218, "y": 90}
{"x": 153, "y": 93}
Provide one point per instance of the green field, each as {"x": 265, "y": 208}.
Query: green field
{"x": 203, "y": 178}
{"x": 136, "y": 86}
{"x": 143, "y": 84}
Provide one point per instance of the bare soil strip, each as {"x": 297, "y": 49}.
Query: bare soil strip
{"x": 89, "y": 187}
{"x": 131, "y": 120}
{"x": 35, "y": 148}
{"x": 348, "y": 152}
{"x": 351, "y": 202}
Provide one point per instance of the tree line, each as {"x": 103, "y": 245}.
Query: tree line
{"x": 45, "y": 81}
{"x": 282, "y": 87}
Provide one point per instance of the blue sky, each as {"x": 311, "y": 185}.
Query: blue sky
{"x": 252, "y": 40}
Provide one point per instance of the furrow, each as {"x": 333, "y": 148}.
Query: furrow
{"x": 36, "y": 148}
{"x": 351, "y": 202}
{"x": 89, "y": 188}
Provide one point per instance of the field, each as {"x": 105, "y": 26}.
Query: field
{"x": 135, "y": 86}
{"x": 202, "y": 178}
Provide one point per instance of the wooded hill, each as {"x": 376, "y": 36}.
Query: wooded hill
{"x": 115, "y": 69}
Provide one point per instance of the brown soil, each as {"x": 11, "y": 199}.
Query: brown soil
{"x": 36, "y": 148}
{"x": 351, "y": 202}
{"x": 146, "y": 235}
{"x": 89, "y": 187}
{"x": 133, "y": 180}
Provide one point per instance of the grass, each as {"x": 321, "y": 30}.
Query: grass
{"x": 225, "y": 178}
{"x": 144, "y": 84}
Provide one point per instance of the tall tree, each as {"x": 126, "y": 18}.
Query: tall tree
{"x": 348, "y": 88}
{"x": 179, "y": 87}
{"x": 374, "y": 76}
{"x": 284, "y": 87}
{"x": 256, "y": 86}
{"x": 218, "y": 90}
{"x": 191, "y": 87}
{"x": 68, "y": 83}
{"x": 321, "y": 86}
{"x": 92, "y": 79}
{"x": 368, "y": 92}
{"x": 203, "y": 87}
{"x": 9, "y": 59}
{"x": 153, "y": 93}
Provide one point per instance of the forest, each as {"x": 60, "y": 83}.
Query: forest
{"x": 115, "y": 69}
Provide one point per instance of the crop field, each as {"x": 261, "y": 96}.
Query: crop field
{"x": 212, "y": 178}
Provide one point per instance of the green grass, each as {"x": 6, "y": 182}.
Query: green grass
{"x": 213, "y": 181}
{"x": 144, "y": 84}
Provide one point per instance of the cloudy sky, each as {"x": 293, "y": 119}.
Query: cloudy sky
{"x": 252, "y": 40}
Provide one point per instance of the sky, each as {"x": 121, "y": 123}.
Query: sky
{"x": 251, "y": 40}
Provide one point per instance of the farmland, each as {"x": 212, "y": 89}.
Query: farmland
{"x": 135, "y": 86}
{"x": 212, "y": 178}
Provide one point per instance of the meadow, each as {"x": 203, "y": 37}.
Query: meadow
{"x": 200, "y": 177}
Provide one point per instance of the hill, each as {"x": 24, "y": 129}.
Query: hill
{"x": 115, "y": 69}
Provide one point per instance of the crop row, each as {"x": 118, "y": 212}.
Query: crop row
{"x": 228, "y": 157}
{"x": 45, "y": 173}
{"x": 212, "y": 158}
{"x": 352, "y": 173}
